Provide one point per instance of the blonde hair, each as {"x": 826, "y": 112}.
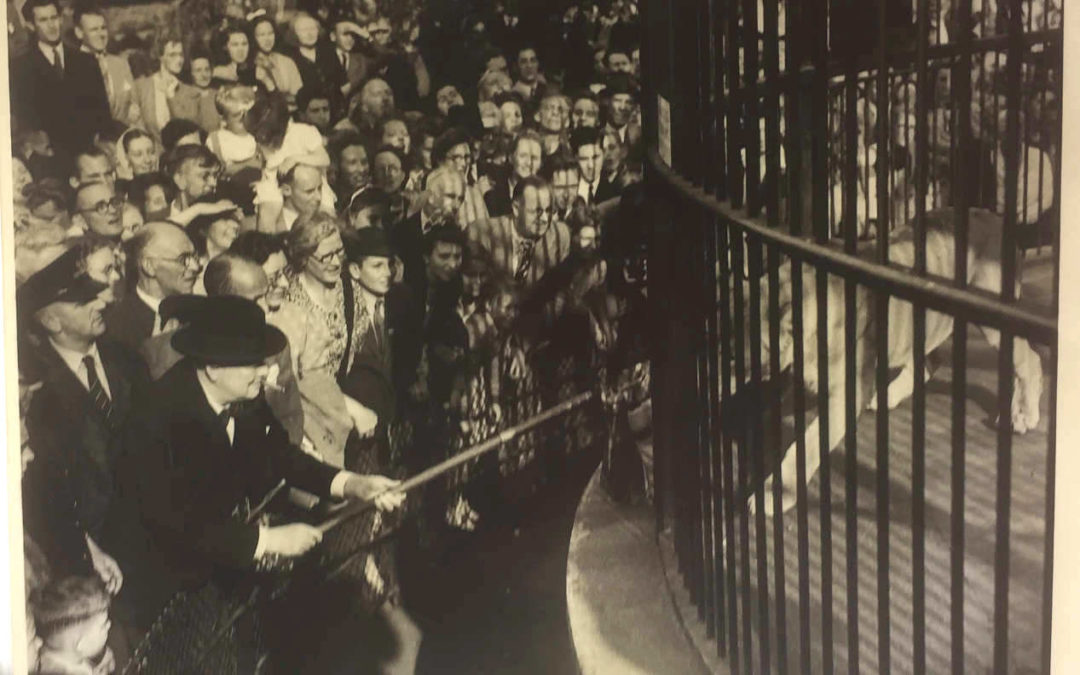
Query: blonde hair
{"x": 234, "y": 98}
{"x": 306, "y": 234}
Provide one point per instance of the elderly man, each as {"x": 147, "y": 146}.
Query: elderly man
{"x": 164, "y": 263}
{"x": 89, "y": 385}
{"x": 93, "y": 33}
{"x": 301, "y": 188}
{"x": 99, "y": 210}
{"x": 443, "y": 198}
{"x": 526, "y": 244}
{"x": 203, "y": 449}
{"x": 553, "y": 120}
{"x": 56, "y": 88}
{"x": 373, "y": 104}
{"x": 525, "y": 161}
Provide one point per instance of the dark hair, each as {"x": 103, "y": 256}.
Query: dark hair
{"x": 218, "y": 277}
{"x": 345, "y": 139}
{"x": 176, "y": 129}
{"x": 557, "y": 163}
{"x": 509, "y": 97}
{"x": 140, "y": 186}
{"x": 88, "y": 151}
{"x": 47, "y": 190}
{"x": 254, "y": 23}
{"x": 447, "y": 141}
{"x": 183, "y": 154}
{"x": 131, "y": 135}
{"x": 31, "y": 5}
{"x": 395, "y": 151}
{"x": 309, "y": 93}
{"x": 535, "y": 182}
{"x": 221, "y": 42}
{"x": 443, "y": 233}
{"x": 366, "y": 199}
{"x": 257, "y": 247}
{"x": 83, "y": 9}
{"x": 199, "y": 228}
{"x": 584, "y": 136}
{"x": 268, "y": 119}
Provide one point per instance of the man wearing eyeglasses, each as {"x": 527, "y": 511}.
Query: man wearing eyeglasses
{"x": 166, "y": 264}
{"x": 99, "y": 210}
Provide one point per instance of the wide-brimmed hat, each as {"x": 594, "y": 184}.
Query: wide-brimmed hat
{"x": 62, "y": 280}
{"x": 226, "y": 330}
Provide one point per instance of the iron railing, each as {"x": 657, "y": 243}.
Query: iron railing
{"x": 848, "y": 180}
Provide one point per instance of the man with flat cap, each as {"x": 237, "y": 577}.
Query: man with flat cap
{"x": 202, "y": 450}
{"x": 76, "y": 419}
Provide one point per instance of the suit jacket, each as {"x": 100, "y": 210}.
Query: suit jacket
{"x": 499, "y": 200}
{"x": 129, "y": 322}
{"x": 68, "y": 488}
{"x": 120, "y": 87}
{"x": 70, "y": 108}
{"x": 407, "y": 236}
{"x": 184, "y": 492}
{"x": 324, "y": 73}
{"x": 494, "y": 237}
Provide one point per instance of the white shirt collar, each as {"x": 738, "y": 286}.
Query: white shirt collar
{"x": 74, "y": 359}
{"x": 288, "y": 216}
{"x": 50, "y": 52}
{"x": 215, "y": 405}
{"x": 151, "y": 302}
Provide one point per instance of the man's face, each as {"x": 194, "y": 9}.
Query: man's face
{"x": 238, "y": 383}
{"x": 95, "y": 169}
{"x": 373, "y": 273}
{"x": 79, "y": 321}
{"x": 527, "y": 157}
{"x": 614, "y": 153}
{"x": 589, "y": 159}
{"x": 176, "y": 265}
{"x": 551, "y": 113}
{"x": 324, "y": 265}
{"x": 444, "y": 263}
{"x": 93, "y": 32}
{"x": 377, "y": 99}
{"x": 564, "y": 185}
{"x": 307, "y": 31}
{"x": 305, "y": 191}
{"x": 277, "y": 281}
{"x": 172, "y": 58}
{"x": 528, "y": 65}
{"x": 586, "y": 113}
{"x": 343, "y": 37}
{"x": 621, "y": 107}
{"x": 380, "y": 32}
{"x": 355, "y": 168}
{"x": 618, "y": 62}
{"x": 490, "y": 115}
{"x": 317, "y": 113}
{"x": 102, "y": 210}
{"x": 103, "y": 266}
{"x": 510, "y": 113}
{"x": 447, "y": 98}
{"x": 459, "y": 157}
{"x": 156, "y": 202}
{"x": 195, "y": 179}
{"x": 132, "y": 220}
{"x": 445, "y": 197}
{"x": 46, "y": 23}
{"x": 471, "y": 285}
{"x": 388, "y": 173}
{"x": 396, "y": 135}
{"x": 532, "y": 212}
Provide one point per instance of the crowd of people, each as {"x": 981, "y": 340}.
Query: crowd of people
{"x": 289, "y": 260}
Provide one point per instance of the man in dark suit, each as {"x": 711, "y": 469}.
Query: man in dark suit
{"x": 443, "y": 197}
{"x": 92, "y": 30}
{"x": 161, "y": 262}
{"x": 201, "y": 450}
{"x": 524, "y": 162}
{"x": 75, "y": 420}
{"x": 56, "y": 87}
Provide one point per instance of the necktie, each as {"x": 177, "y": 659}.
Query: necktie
{"x": 377, "y": 321}
{"x": 525, "y": 249}
{"x": 58, "y": 60}
{"x": 96, "y": 390}
{"x": 344, "y": 60}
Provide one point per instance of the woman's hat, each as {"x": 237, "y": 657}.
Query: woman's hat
{"x": 227, "y": 330}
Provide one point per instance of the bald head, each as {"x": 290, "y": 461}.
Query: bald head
{"x": 230, "y": 274}
{"x": 166, "y": 259}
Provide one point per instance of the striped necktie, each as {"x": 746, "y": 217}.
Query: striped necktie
{"x": 524, "y": 255}
{"x": 97, "y": 391}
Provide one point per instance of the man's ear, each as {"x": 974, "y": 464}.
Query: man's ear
{"x": 146, "y": 267}
{"x": 48, "y": 320}
{"x": 179, "y": 181}
{"x": 286, "y": 191}
{"x": 354, "y": 270}
{"x": 79, "y": 33}
{"x": 515, "y": 208}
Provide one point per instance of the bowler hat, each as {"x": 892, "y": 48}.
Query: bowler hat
{"x": 62, "y": 280}
{"x": 366, "y": 242}
{"x": 227, "y": 330}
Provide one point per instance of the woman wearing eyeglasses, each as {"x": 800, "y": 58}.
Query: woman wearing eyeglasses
{"x": 317, "y": 317}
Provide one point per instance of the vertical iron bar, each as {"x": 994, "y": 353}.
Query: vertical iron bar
{"x": 745, "y": 449}
{"x": 735, "y": 131}
{"x": 708, "y": 558}
{"x": 752, "y": 120}
{"x": 713, "y": 344}
{"x": 717, "y": 12}
{"x": 758, "y": 457}
{"x": 727, "y": 339}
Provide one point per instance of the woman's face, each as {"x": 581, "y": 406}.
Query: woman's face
{"x": 142, "y": 155}
{"x": 156, "y": 203}
{"x": 133, "y": 221}
{"x": 264, "y": 37}
{"x": 490, "y": 116}
{"x": 324, "y": 265}
{"x": 511, "y": 117}
{"x": 396, "y": 135}
{"x": 238, "y": 48}
{"x": 201, "y": 73}
{"x": 222, "y": 234}
{"x": 388, "y": 172}
{"x": 425, "y": 151}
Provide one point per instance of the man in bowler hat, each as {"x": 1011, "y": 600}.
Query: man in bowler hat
{"x": 201, "y": 451}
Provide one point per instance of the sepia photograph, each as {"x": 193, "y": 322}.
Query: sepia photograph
{"x": 536, "y": 337}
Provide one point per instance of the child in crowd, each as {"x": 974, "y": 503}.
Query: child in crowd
{"x": 233, "y": 143}
{"x": 72, "y": 620}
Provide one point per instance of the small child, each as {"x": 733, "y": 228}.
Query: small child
{"x": 232, "y": 143}
{"x": 72, "y": 620}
